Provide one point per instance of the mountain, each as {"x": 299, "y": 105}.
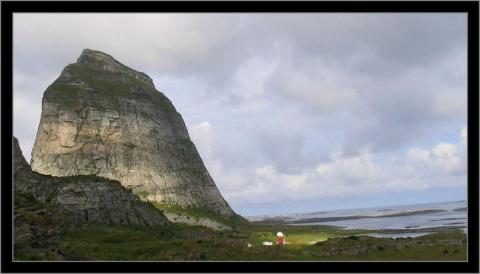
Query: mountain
{"x": 83, "y": 199}
{"x": 103, "y": 118}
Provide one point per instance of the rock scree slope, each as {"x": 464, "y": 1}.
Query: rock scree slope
{"x": 103, "y": 118}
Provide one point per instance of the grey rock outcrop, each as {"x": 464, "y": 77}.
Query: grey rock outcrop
{"x": 103, "y": 118}
{"x": 84, "y": 199}
{"x": 38, "y": 229}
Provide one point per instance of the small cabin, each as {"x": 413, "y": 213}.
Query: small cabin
{"x": 280, "y": 238}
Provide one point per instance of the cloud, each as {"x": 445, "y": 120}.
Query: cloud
{"x": 202, "y": 135}
{"x": 281, "y": 106}
{"x": 357, "y": 168}
{"x": 399, "y": 111}
{"x": 321, "y": 88}
{"x": 463, "y": 135}
{"x": 344, "y": 176}
{"x": 444, "y": 157}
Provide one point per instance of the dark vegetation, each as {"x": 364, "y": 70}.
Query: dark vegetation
{"x": 43, "y": 236}
{"x": 38, "y": 228}
{"x": 180, "y": 242}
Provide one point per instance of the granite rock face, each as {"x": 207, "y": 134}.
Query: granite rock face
{"x": 83, "y": 199}
{"x": 103, "y": 118}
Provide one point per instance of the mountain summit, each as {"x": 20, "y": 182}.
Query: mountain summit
{"x": 101, "y": 117}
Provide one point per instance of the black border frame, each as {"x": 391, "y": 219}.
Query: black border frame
{"x": 469, "y": 7}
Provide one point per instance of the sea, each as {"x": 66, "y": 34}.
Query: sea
{"x": 415, "y": 216}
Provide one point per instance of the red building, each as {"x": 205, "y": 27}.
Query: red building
{"x": 280, "y": 238}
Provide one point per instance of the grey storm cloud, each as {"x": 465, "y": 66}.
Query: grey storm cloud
{"x": 278, "y": 95}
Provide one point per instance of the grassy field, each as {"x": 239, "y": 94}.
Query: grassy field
{"x": 179, "y": 242}
{"x": 197, "y": 213}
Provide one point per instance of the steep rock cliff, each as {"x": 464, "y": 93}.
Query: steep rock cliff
{"x": 101, "y": 117}
{"x": 81, "y": 199}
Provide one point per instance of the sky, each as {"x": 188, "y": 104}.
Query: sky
{"x": 290, "y": 112}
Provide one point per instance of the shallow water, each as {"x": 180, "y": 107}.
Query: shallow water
{"x": 371, "y": 218}
{"x": 398, "y": 235}
{"x": 401, "y": 222}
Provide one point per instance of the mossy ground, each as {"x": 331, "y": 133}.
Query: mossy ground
{"x": 197, "y": 213}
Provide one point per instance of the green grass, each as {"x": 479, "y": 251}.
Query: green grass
{"x": 181, "y": 242}
{"x": 127, "y": 242}
{"x": 198, "y": 213}
{"x": 295, "y": 235}
{"x": 441, "y": 246}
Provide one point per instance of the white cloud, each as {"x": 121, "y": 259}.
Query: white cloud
{"x": 269, "y": 100}
{"x": 442, "y": 165}
{"x": 202, "y": 137}
{"x": 357, "y": 168}
{"x": 463, "y": 135}
{"x": 281, "y": 181}
{"x": 443, "y": 158}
